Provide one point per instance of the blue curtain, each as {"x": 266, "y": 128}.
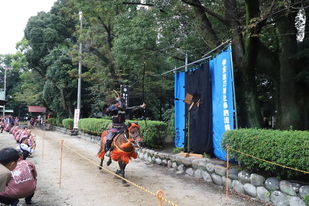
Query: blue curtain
{"x": 180, "y": 122}
{"x": 222, "y": 99}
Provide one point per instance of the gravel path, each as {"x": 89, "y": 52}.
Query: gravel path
{"x": 70, "y": 176}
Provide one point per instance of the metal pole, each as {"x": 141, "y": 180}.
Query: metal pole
{"x": 186, "y": 62}
{"x": 173, "y": 70}
{"x": 79, "y": 65}
{"x": 234, "y": 92}
{"x": 4, "y": 91}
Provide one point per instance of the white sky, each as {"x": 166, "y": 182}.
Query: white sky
{"x": 14, "y": 15}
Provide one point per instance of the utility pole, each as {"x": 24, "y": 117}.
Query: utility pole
{"x": 79, "y": 86}
{"x": 80, "y": 65}
{"x": 4, "y": 91}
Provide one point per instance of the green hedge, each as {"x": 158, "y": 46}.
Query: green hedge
{"x": 52, "y": 121}
{"x": 287, "y": 148}
{"x": 93, "y": 125}
{"x": 153, "y": 132}
{"x": 68, "y": 123}
{"x": 55, "y": 122}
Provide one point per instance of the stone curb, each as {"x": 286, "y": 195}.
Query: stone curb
{"x": 270, "y": 190}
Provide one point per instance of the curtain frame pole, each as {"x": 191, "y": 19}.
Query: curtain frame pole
{"x": 205, "y": 56}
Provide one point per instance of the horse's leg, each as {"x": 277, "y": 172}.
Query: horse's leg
{"x": 101, "y": 164}
{"x": 102, "y": 145}
{"x": 102, "y": 159}
{"x": 109, "y": 161}
{"x": 122, "y": 167}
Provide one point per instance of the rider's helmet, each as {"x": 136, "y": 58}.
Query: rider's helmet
{"x": 122, "y": 103}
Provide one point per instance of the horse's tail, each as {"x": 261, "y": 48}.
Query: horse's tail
{"x": 104, "y": 133}
{"x": 102, "y": 151}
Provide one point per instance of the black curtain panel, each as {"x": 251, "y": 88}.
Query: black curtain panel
{"x": 199, "y": 117}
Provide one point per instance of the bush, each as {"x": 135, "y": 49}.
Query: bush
{"x": 52, "y": 121}
{"x": 153, "y": 132}
{"x": 93, "y": 125}
{"x": 169, "y": 118}
{"x": 306, "y": 199}
{"x": 177, "y": 150}
{"x": 286, "y": 148}
{"x": 59, "y": 122}
{"x": 68, "y": 123}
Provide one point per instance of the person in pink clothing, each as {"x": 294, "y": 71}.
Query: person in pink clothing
{"x": 7, "y": 127}
{"x": 31, "y": 137}
{"x": 17, "y": 134}
{"x": 22, "y": 133}
{"x": 8, "y": 162}
{"x": 21, "y": 185}
{"x": 2, "y": 125}
{"x": 15, "y": 130}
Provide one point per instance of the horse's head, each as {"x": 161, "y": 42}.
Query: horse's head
{"x": 134, "y": 131}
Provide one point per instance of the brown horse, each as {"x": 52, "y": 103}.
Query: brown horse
{"x": 123, "y": 145}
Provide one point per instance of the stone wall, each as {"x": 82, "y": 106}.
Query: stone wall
{"x": 271, "y": 189}
{"x": 79, "y": 134}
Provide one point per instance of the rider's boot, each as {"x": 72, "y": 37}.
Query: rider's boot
{"x": 108, "y": 147}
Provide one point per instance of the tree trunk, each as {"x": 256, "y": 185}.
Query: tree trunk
{"x": 245, "y": 52}
{"x": 251, "y": 110}
{"x": 306, "y": 7}
{"x": 210, "y": 37}
{"x": 305, "y": 65}
{"x": 232, "y": 22}
{"x": 288, "y": 111}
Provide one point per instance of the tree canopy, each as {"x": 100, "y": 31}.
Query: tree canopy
{"x": 132, "y": 43}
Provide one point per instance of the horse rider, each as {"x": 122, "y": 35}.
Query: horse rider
{"x": 118, "y": 110}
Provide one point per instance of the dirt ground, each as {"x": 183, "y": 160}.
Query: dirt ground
{"x": 69, "y": 175}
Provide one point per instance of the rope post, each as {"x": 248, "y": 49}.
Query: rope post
{"x": 160, "y": 195}
{"x": 227, "y": 175}
{"x": 43, "y": 138}
{"x": 61, "y": 150}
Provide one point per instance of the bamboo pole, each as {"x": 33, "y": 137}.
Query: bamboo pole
{"x": 227, "y": 176}
{"x": 160, "y": 195}
{"x": 61, "y": 151}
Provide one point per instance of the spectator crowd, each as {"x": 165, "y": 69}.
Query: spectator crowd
{"x": 17, "y": 175}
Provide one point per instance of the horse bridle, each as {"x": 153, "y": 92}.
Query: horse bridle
{"x": 134, "y": 137}
{"x": 134, "y": 142}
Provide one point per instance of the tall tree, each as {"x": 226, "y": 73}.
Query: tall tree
{"x": 9, "y": 79}
{"x": 59, "y": 88}
{"x": 249, "y": 47}
{"x": 119, "y": 48}
{"x": 28, "y": 91}
{"x": 132, "y": 44}
{"x": 289, "y": 108}
{"x": 49, "y": 36}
